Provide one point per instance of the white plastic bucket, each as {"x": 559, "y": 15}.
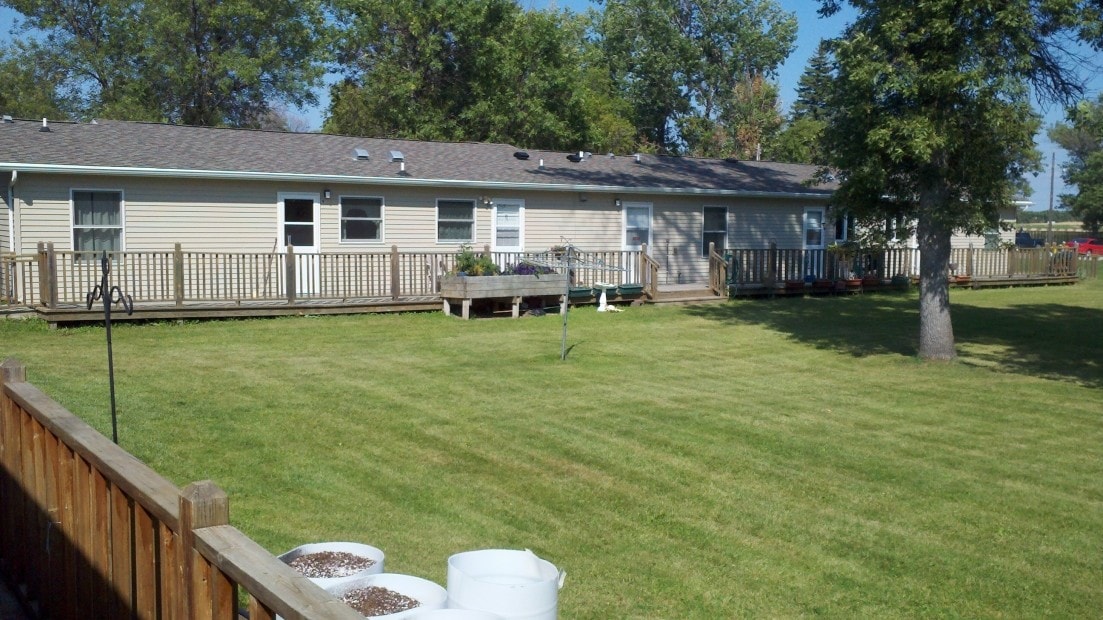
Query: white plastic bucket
{"x": 516, "y": 585}
{"x": 364, "y": 551}
{"x": 428, "y": 594}
{"x": 455, "y": 614}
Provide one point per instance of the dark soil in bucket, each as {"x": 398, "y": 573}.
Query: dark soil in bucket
{"x": 324, "y": 564}
{"x": 377, "y": 601}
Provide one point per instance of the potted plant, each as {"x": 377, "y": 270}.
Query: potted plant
{"x": 843, "y": 255}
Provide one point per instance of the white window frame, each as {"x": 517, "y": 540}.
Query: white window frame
{"x": 849, "y": 224}
{"x": 624, "y": 224}
{"x": 509, "y": 202}
{"x": 705, "y": 231}
{"x": 341, "y": 220}
{"x": 73, "y": 215}
{"x": 281, "y": 198}
{"x": 805, "y": 228}
{"x": 474, "y": 218}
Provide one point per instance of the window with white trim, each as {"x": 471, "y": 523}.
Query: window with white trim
{"x": 637, "y": 225}
{"x": 813, "y": 228}
{"x": 455, "y": 221}
{"x": 97, "y": 221}
{"x": 361, "y": 218}
{"x": 509, "y": 225}
{"x": 715, "y": 221}
{"x": 844, "y": 227}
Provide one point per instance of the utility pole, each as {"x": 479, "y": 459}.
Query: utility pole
{"x": 1049, "y": 217}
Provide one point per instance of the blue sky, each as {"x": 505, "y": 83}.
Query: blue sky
{"x": 811, "y": 28}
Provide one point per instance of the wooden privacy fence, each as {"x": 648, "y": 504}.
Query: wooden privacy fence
{"x": 88, "y": 531}
{"x": 51, "y": 277}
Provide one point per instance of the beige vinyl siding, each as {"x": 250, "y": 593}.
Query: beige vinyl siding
{"x": 43, "y": 211}
{"x": 221, "y": 216}
{"x": 230, "y": 216}
{"x": 552, "y": 218}
{"x": 5, "y": 232}
{"x": 677, "y": 229}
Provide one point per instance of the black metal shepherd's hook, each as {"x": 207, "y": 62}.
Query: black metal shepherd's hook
{"x": 113, "y": 295}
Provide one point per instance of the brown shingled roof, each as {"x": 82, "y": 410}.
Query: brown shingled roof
{"x": 150, "y": 148}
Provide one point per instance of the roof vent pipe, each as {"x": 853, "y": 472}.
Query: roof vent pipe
{"x": 541, "y": 163}
{"x": 638, "y": 158}
{"x": 44, "y": 127}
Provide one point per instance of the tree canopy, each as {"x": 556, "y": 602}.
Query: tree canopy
{"x": 686, "y": 68}
{"x": 1082, "y": 137}
{"x": 446, "y": 70}
{"x": 932, "y": 123}
{"x": 200, "y": 63}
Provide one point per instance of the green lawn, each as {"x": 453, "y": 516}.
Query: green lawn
{"x": 755, "y": 459}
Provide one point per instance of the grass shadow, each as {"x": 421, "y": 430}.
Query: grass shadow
{"x": 1055, "y": 341}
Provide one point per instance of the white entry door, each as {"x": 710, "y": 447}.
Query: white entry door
{"x": 299, "y": 228}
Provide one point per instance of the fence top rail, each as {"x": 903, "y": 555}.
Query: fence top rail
{"x": 136, "y": 479}
{"x": 268, "y": 579}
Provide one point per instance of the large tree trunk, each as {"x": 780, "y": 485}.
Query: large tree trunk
{"x": 936, "y": 331}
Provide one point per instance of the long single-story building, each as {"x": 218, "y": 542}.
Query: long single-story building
{"x": 131, "y": 186}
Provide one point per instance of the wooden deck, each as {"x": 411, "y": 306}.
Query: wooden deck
{"x": 179, "y": 285}
{"x": 167, "y": 311}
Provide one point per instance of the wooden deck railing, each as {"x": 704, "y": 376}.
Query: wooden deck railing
{"x": 772, "y": 265}
{"x": 88, "y": 531}
{"x": 50, "y": 278}
{"x": 53, "y": 277}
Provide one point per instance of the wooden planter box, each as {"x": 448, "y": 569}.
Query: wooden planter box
{"x": 514, "y": 288}
{"x": 486, "y": 287}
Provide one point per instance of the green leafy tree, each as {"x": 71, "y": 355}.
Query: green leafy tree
{"x": 449, "y": 70}
{"x": 797, "y": 142}
{"x": 31, "y": 84}
{"x": 200, "y": 63}
{"x": 1082, "y": 137}
{"x": 680, "y": 63}
{"x": 931, "y": 119}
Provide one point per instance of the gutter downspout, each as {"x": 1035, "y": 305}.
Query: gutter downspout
{"x": 11, "y": 211}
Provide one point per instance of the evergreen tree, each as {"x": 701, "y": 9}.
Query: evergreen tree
{"x": 813, "y": 88}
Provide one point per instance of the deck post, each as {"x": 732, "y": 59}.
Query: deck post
{"x": 289, "y": 269}
{"x": 396, "y": 280}
{"x": 13, "y": 536}
{"x": 771, "y": 265}
{"x": 40, "y": 258}
{"x": 48, "y": 276}
{"x": 178, "y": 274}
{"x": 202, "y": 504}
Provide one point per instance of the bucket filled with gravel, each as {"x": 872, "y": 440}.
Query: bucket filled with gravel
{"x": 390, "y": 596}
{"x": 333, "y": 563}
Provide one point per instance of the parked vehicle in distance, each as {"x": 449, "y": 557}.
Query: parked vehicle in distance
{"x": 1024, "y": 240}
{"x": 1087, "y": 246}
